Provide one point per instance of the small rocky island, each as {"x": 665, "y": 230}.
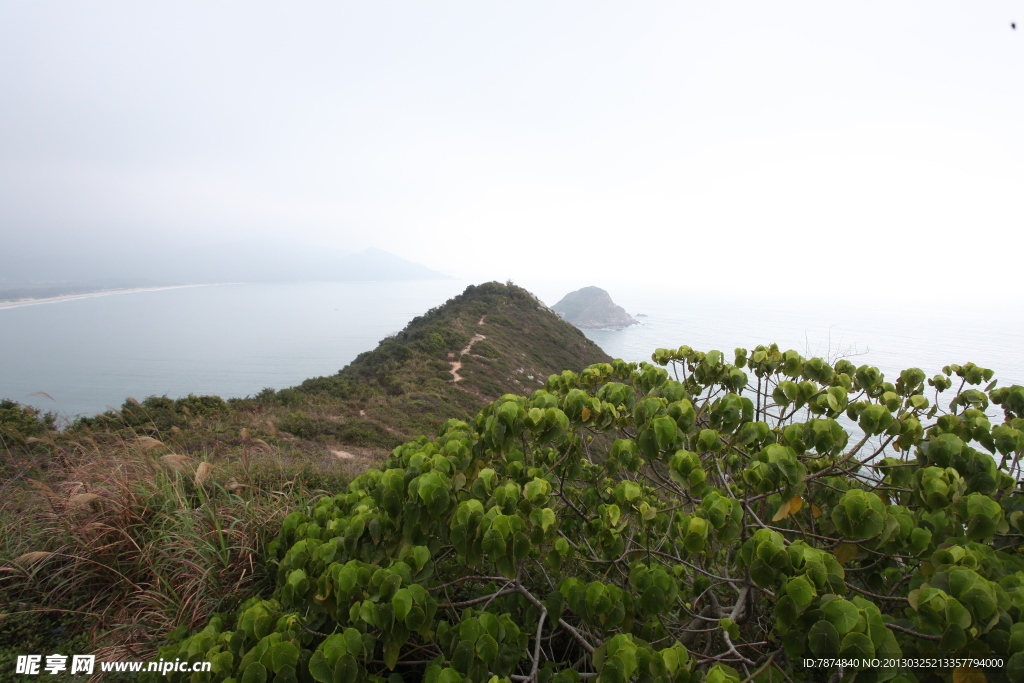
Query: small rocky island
{"x": 592, "y": 308}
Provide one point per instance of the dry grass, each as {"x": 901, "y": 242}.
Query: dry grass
{"x": 136, "y": 541}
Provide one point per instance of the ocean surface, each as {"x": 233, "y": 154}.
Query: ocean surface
{"x": 923, "y": 334}
{"x": 230, "y": 340}
{"x": 234, "y": 340}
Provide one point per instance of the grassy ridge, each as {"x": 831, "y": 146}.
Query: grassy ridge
{"x": 405, "y": 386}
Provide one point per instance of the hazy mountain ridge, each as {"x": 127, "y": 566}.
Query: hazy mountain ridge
{"x": 27, "y": 275}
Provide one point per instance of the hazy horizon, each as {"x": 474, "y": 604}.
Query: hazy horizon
{"x": 259, "y": 259}
{"x": 841, "y": 149}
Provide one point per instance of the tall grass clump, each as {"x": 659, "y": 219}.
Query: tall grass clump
{"x": 115, "y": 545}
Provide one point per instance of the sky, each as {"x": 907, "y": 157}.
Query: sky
{"x": 866, "y": 147}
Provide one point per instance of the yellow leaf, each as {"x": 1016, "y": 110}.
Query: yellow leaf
{"x": 815, "y": 511}
{"x": 586, "y": 414}
{"x": 783, "y": 511}
{"x": 964, "y": 674}
{"x": 790, "y": 507}
{"x": 845, "y": 552}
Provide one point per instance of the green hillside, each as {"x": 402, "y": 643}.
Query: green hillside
{"x": 498, "y": 338}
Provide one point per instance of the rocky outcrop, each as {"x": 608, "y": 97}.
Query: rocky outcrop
{"x": 592, "y": 308}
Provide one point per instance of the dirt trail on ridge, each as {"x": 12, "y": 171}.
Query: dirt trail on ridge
{"x": 457, "y": 364}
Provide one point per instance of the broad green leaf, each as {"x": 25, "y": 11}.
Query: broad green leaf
{"x": 255, "y": 673}
{"x": 612, "y": 514}
{"x": 463, "y": 657}
{"x": 319, "y": 669}
{"x": 823, "y": 639}
{"x": 416, "y": 618}
{"x": 469, "y": 629}
{"x": 665, "y": 430}
{"x": 284, "y": 654}
{"x": 801, "y": 590}
{"x": 547, "y": 516}
{"x": 449, "y": 675}
{"x": 762, "y": 574}
{"x": 391, "y": 653}
{"x": 421, "y": 556}
{"x": 953, "y": 638}
{"x": 786, "y": 610}
{"x": 402, "y": 602}
{"x": 487, "y": 648}
{"x": 653, "y": 600}
{"x": 520, "y": 546}
{"x": 857, "y": 645}
{"x": 536, "y": 490}
{"x": 353, "y": 642}
{"x": 842, "y": 614}
{"x": 493, "y": 543}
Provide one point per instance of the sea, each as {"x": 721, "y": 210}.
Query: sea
{"x": 83, "y": 356}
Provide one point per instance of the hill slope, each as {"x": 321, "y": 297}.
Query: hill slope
{"x": 490, "y": 340}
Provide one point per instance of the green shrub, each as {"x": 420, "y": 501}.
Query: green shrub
{"x": 156, "y": 412}
{"x": 301, "y": 425}
{"x": 623, "y": 524}
{"x": 485, "y": 349}
{"x": 433, "y": 343}
{"x": 368, "y": 433}
{"x": 18, "y": 422}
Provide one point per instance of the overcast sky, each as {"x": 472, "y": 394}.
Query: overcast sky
{"x": 725, "y": 143}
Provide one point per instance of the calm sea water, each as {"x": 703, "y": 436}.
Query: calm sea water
{"x": 229, "y": 340}
{"x": 234, "y": 340}
{"x": 922, "y": 336}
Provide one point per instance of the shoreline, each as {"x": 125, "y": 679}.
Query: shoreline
{"x": 86, "y": 295}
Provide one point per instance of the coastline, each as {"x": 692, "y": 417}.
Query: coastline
{"x": 86, "y": 295}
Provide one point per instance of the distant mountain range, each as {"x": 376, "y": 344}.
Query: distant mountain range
{"x": 253, "y": 260}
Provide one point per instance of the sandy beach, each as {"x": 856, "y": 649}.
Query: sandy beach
{"x": 69, "y": 297}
